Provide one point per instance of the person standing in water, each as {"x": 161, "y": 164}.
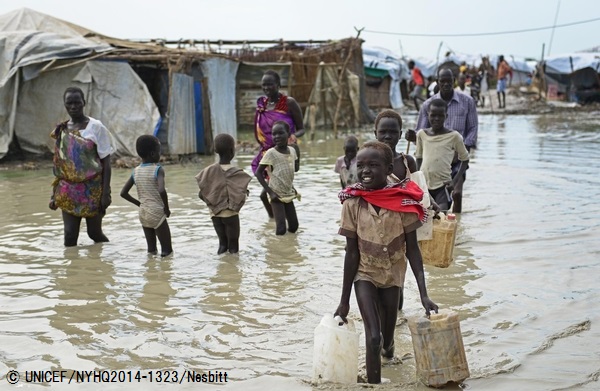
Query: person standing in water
{"x": 273, "y": 107}
{"x": 82, "y": 171}
{"x": 462, "y": 117}
{"x": 435, "y": 152}
{"x": 346, "y": 165}
{"x": 224, "y": 188}
{"x": 149, "y": 178}
{"x": 379, "y": 230}
{"x": 281, "y": 162}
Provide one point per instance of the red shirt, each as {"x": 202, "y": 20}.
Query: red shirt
{"x": 417, "y": 76}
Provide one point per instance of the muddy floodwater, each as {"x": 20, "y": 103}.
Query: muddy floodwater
{"x": 525, "y": 280}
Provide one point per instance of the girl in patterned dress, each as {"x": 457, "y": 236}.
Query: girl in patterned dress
{"x": 281, "y": 162}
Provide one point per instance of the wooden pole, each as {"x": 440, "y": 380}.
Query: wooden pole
{"x": 313, "y": 113}
{"x": 542, "y": 75}
{"x": 341, "y": 84}
{"x": 408, "y": 142}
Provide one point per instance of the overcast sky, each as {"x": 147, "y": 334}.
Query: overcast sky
{"x": 335, "y": 19}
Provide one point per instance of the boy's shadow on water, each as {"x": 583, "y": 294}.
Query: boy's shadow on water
{"x": 84, "y": 286}
{"x": 156, "y": 293}
{"x": 224, "y": 296}
{"x": 283, "y": 281}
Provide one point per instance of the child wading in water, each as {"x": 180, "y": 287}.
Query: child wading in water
{"x": 380, "y": 219}
{"x": 436, "y": 150}
{"x": 149, "y": 178}
{"x": 388, "y": 130}
{"x": 281, "y": 162}
{"x": 346, "y": 165}
{"x": 224, "y": 189}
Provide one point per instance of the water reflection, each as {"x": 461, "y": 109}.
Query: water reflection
{"x": 85, "y": 311}
{"x": 154, "y": 309}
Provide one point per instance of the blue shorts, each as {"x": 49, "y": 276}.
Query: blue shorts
{"x": 501, "y": 87}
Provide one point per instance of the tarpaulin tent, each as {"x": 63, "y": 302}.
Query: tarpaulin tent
{"x": 39, "y": 57}
{"x": 379, "y": 64}
{"x": 573, "y": 76}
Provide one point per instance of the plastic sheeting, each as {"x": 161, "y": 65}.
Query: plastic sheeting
{"x": 569, "y": 63}
{"x": 379, "y": 58}
{"x": 31, "y": 97}
{"x": 221, "y": 75}
{"x": 114, "y": 93}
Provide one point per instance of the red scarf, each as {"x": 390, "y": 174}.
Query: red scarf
{"x": 402, "y": 197}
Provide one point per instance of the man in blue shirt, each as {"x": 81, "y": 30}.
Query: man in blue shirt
{"x": 462, "y": 117}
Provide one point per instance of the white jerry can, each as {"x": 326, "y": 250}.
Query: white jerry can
{"x": 335, "y": 357}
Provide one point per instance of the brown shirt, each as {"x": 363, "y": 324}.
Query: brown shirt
{"x": 223, "y": 189}
{"x": 381, "y": 241}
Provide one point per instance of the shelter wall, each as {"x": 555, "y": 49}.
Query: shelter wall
{"x": 304, "y": 66}
{"x": 249, "y": 88}
{"x": 377, "y": 92}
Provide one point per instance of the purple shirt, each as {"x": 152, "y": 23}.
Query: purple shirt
{"x": 462, "y": 117}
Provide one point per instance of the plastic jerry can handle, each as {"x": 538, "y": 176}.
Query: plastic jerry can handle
{"x": 339, "y": 320}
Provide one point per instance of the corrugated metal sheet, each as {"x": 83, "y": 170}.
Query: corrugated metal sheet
{"x": 182, "y": 115}
{"x": 221, "y": 76}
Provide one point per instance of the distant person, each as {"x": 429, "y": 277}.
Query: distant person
{"x": 82, "y": 171}
{"x": 346, "y": 165}
{"x": 485, "y": 73}
{"x": 379, "y": 221}
{"x": 280, "y": 162}
{"x": 436, "y": 148}
{"x": 504, "y": 70}
{"x": 419, "y": 84}
{"x": 462, "y": 117}
{"x": 462, "y": 84}
{"x": 273, "y": 107}
{"x": 149, "y": 178}
{"x": 224, "y": 188}
{"x": 476, "y": 87}
{"x": 432, "y": 87}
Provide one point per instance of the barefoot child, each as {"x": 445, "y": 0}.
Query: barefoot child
{"x": 281, "y": 162}
{"x": 379, "y": 219}
{"x": 388, "y": 130}
{"x": 346, "y": 165}
{"x": 149, "y": 178}
{"x": 436, "y": 149}
{"x": 224, "y": 189}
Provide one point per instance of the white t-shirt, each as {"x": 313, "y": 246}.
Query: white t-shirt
{"x": 98, "y": 133}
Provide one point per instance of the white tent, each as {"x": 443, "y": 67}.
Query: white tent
{"x": 39, "y": 57}
{"x": 572, "y": 62}
{"x": 380, "y": 58}
{"x": 575, "y": 76}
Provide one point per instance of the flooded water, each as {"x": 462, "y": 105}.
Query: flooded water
{"x": 525, "y": 279}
